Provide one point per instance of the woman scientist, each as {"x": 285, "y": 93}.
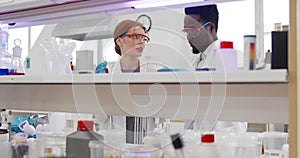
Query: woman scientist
{"x": 130, "y": 38}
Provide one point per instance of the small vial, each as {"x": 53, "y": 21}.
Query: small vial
{"x": 71, "y": 65}
{"x": 249, "y": 52}
{"x": 277, "y": 26}
{"x": 268, "y": 60}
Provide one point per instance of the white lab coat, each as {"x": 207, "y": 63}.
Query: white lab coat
{"x": 208, "y": 56}
{"x": 208, "y": 61}
{"x": 117, "y": 68}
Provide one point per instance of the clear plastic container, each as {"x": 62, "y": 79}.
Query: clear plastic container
{"x": 3, "y": 39}
{"x": 5, "y": 149}
{"x": 141, "y": 151}
{"x": 159, "y": 139}
{"x": 54, "y": 145}
{"x": 5, "y": 60}
{"x": 207, "y": 148}
{"x": 96, "y": 148}
{"x": 190, "y": 139}
{"x": 246, "y": 146}
{"x": 17, "y": 64}
{"x": 273, "y": 142}
{"x": 236, "y": 145}
{"x": 178, "y": 145}
{"x": 114, "y": 139}
{"x": 285, "y": 151}
{"x": 5, "y": 56}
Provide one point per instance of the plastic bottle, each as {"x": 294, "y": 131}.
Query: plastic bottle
{"x": 207, "y": 148}
{"x": 249, "y": 52}
{"x": 78, "y": 142}
{"x": 3, "y": 39}
{"x": 71, "y": 65}
{"x": 268, "y": 60}
{"x": 5, "y": 56}
{"x": 285, "y": 151}
{"x": 17, "y": 64}
{"x": 226, "y": 57}
{"x": 178, "y": 145}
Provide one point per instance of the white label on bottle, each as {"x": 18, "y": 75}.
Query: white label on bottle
{"x": 273, "y": 153}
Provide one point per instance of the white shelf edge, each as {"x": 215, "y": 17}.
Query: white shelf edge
{"x": 273, "y": 76}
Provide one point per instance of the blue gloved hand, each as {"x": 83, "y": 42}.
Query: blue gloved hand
{"x": 100, "y": 68}
{"x": 166, "y": 69}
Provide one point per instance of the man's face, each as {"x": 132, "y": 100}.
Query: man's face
{"x": 198, "y": 38}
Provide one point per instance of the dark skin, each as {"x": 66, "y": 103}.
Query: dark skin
{"x": 199, "y": 41}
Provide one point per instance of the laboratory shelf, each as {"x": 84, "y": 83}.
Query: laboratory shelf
{"x": 252, "y": 96}
{"x": 272, "y": 76}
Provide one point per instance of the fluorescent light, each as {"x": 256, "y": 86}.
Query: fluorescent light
{"x": 58, "y": 1}
{"x": 162, "y": 3}
{"x": 5, "y": 1}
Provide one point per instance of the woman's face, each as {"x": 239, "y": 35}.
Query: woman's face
{"x": 132, "y": 43}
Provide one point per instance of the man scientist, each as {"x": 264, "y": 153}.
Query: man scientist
{"x": 201, "y": 26}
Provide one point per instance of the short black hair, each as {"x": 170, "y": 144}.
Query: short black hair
{"x": 208, "y": 13}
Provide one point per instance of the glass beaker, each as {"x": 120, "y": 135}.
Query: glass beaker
{"x": 17, "y": 64}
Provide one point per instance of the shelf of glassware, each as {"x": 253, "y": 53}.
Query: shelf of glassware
{"x": 252, "y": 96}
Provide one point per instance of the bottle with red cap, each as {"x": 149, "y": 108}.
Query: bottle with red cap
{"x": 207, "y": 148}
{"x": 78, "y": 142}
{"x": 226, "y": 57}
